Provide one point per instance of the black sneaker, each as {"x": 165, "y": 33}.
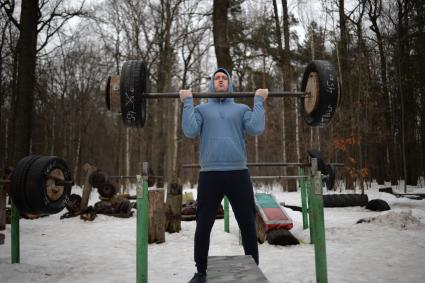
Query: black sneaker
{"x": 198, "y": 278}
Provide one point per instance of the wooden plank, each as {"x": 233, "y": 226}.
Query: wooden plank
{"x": 240, "y": 268}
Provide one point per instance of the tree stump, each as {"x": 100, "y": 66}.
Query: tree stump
{"x": 156, "y": 216}
{"x": 261, "y": 228}
{"x": 88, "y": 170}
{"x": 173, "y": 208}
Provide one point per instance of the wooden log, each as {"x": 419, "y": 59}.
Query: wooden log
{"x": 261, "y": 228}
{"x": 156, "y": 216}
{"x": 240, "y": 268}
{"x": 173, "y": 208}
{"x": 88, "y": 170}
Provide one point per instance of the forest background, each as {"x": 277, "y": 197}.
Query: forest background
{"x": 55, "y": 56}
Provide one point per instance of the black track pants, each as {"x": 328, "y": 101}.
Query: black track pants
{"x": 212, "y": 187}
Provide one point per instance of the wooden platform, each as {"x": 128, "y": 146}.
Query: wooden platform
{"x": 241, "y": 268}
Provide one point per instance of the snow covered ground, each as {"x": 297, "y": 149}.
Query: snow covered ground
{"x": 389, "y": 249}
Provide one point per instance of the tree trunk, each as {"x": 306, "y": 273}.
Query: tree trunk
{"x": 27, "y": 51}
{"x": 173, "y": 208}
{"x": 288, "y": 103}
{"x": 2, "y": 208}
{"x": 374, "y": 13}
{"x": 220, "y": 31}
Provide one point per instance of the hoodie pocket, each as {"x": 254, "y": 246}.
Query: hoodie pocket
{"x": 222, "y": 150}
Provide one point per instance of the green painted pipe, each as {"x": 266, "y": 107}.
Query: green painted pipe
{"x": 142, "y": 230}
{"x": 304, "y": 199}
{"x": 14, "y": 223}
{"x": 319, "y": 231}
{"x": 226, "y": 215}
{"x": 309, "y": 191}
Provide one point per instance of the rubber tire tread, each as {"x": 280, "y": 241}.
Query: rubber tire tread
{"x": 36, "y": 194}
{"x": 19, "y": 177}
{"x": 281, "y": 237}
{"x": 133, "y": 76}
{"x": 344, "y": 200}
{"x": 328, "y": 97}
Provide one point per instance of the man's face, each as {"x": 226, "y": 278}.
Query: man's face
{"x": 221, "y": 82}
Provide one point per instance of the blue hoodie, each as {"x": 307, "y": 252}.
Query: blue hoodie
{"x": 222, "y": 125}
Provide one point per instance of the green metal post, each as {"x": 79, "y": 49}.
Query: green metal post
{"x": 226, "y": 215}
{"x": 303, "y": 199}
{"x": 309, "y": 189}
{"x": 14, "y": 223}
{"x": 319, "y": 230}
{"x": 142, "y": 229}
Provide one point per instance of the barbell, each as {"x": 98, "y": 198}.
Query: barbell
{"x": 320, "y": 93}
{"x": 41, "y": 185}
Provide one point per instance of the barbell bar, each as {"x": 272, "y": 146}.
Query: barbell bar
{"x": 268, "y": 164}
{"x": 241, "y": 94}
{"x": 320, "y": 93}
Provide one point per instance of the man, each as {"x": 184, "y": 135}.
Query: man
{"x": 222, "y": 125}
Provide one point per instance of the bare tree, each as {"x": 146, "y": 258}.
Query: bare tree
{"x": 30, "y": 25}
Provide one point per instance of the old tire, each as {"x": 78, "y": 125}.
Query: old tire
{"x": 19, "y": 177}
{"x": 38, "y": 186}
{"x": 107, "y": 190}
{"x": 344, "y": 200}
{"x": 132, "y": 88}
{"x": 281, "y": 237}
{"x": 98, "y": 178}
{"x": 323, "y": 113}
{"x": 378, "y": 205}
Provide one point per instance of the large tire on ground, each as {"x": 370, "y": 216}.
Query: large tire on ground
{"x": 132, "y": 88}
{"x": 19, "y": 177}
{"x": 323, "y": 73}
{"x": 378, "y": 205}
{"x": 344, "y": 200}
{"x": 281, "y": 237}
{"x": 42, "y": 194}
{"x": 98, "y": 178}
{"x": 107, "y": 190}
